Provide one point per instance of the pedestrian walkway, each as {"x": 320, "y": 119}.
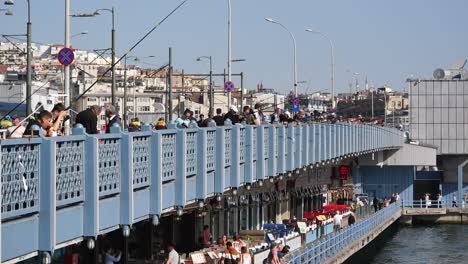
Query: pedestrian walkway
{"x": 340, "y": 245}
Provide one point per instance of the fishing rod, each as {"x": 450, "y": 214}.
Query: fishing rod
{"x": 22, "y": 102}
{"x": 130, "y": 50}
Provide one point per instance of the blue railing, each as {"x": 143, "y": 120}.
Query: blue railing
{"x": 56, "y": 191}
{"x": 330, "y": 246}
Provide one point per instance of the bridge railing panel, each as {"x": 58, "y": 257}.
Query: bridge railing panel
{"x": 20, "y": 176}
{"x": 165, "y": 170}
{"x": 290, "y": 148}
{"x": 281, "y": 149}
{"x": 187, "y": 170}
{"x": 109, "y": 170}
{"x": 224, "y": 158}
{"x": 69, "y": 169}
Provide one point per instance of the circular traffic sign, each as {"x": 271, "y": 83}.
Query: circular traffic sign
{"x": 296, "y": 101}
{"x": 65, "y": 56}
{"x": 229, "y": 86}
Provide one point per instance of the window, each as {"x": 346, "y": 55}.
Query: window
{"x": 92, "y": 99}
{"x": 144, "y": 108}
{"x": 143, "y": 99}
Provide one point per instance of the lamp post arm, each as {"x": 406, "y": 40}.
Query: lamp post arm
{"x": 295, "y": 55}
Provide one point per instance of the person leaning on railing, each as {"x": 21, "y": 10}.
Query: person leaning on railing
{"x": 47, "y": 127}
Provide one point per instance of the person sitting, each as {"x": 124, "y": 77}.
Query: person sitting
{"x": 230, "y": 249}
{"x": 17, "y": 130}
{"x": 161, "y": 124}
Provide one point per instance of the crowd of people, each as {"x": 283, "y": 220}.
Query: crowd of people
{"x": 52, "y": 123}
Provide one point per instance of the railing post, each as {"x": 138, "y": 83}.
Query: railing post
{"x": 47, "y": 196}
{"x": 126, "y": 186}
{"x": 220, "y": 160}
{"x": 298, "y": 147}
{"x": 235, "y": 156}
{"x": 202, "y": 189}
{"x": 91, "y": 190}
{"x": 260, "y": 153}
{"x": 249, "y": 166}
{"x": 290, "y": 148}
{"x": 180, "y": 177}
{"x": 156, "y": 175}
{"x": 273, "y": 150}
{"x": 305, "y": 145}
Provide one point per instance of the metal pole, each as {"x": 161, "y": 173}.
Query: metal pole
{"x": 169, "y": 81}
{"x": 125, "y": 94}
{"x": 134, "y": 102}
{"x": 242, "y": 89}
{"x": 229, "y": 50}
{"x": 114, "y": 101}
{"x": 29, "y": 63}
{"x": 385, "y": 102}
{"x": 66, "y": 80}
{"x": 393, "y": 114}
{"x": 372, "y": 96}
{"x": 211, "y": 88}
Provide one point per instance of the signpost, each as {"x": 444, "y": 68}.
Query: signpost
{"x": 229, "y": 86}
{"x": 65, "y": 56}
{"x": 296, "y": 108}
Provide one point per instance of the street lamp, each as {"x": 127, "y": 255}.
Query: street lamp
{"x": 211, "y": 81}
{"x": 97, "y": 13}
{"x": 28, "y": 57}
{"x": 229, "y": 51}
{"x": 295, "y": 53}
{"x": 81, "y": 33}
{"x": 332, "y": 48}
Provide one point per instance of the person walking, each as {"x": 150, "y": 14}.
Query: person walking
{"x": 88, "y": 119}
{"x": 174, "y": 257}
{"x": 375, "y": 203}
{"x": 454, "y": 201}
{"x": 337, "y": 221}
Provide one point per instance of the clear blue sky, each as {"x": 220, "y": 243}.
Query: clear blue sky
{"x": 385, "y": 40}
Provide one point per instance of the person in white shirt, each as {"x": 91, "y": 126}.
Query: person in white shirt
{"x": 173, "y": 255}
{"x": 112, "y": 256}
{"x": 17, "y": 130}
{"x": 337, "y": 221}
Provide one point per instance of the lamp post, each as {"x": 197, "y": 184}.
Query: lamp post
{"x": 211, "y": 81}
{"x": 79, "y": 34}
{"x": 229, "y": 51}
{"x": 295, "y": 53}
{"x": 332, "y": 48}
{"x": 28, "y": 57}
{"x": 96, "y": 13}
{"x": 125, "y": 117}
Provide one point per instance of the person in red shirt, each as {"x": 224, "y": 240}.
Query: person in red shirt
{"x": 206, "y": 237}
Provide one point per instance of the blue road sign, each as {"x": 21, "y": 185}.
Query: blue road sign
{"x": 229, "y": 86}
{"x": 296, "y": 108}
{"x": 65, "y": 56}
